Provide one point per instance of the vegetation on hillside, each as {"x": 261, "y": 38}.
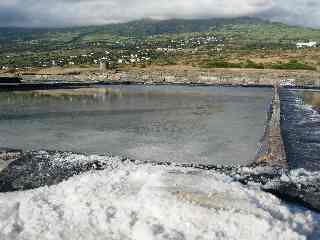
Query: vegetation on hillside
{"x": 291, "y": 65}
{"x": 241, "y": 43}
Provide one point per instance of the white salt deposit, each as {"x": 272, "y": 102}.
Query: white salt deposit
{"x": 127, "y": 201}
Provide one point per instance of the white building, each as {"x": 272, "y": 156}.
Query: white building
{"x": 306, "y": 44}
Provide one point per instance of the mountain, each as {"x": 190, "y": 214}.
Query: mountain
{"x": 228, "y": 39}
{"x": 148, "y": 27}
{"x": 245, "y": 33}
{"x": 144, "y": 27}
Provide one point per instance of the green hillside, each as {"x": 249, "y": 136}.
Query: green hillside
{"x": 204, "y": 42}
{"x": 244, "y": 29}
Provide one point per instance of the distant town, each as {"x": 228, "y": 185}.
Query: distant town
{"x": 121, "y": 53}
{"x": 243, "y": 43}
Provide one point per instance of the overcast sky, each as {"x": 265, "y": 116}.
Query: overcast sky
{"x": 59, "y": 13}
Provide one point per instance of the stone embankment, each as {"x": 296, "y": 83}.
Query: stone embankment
{"x": 272, "y": 150}
{"x": 179, "y": 75}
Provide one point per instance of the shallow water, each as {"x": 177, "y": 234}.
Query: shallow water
{"x": 208, "y": 125}
{"x": 301, "y": 128}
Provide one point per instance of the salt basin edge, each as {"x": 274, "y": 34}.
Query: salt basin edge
{"x": 125, "y": 199}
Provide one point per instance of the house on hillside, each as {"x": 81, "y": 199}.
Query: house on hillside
{"x": 306, "y": 44}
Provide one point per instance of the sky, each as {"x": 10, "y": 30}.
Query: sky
{"x": 61, "y": 13}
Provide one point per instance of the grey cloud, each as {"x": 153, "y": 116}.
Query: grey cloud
{"x": 12, "y": 15}
{"x": 85, "y": 12}
{"x": 295, "y": 12}
{"x": 53, "y": 13}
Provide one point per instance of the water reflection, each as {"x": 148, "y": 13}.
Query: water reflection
{"x": 158, "y": 123}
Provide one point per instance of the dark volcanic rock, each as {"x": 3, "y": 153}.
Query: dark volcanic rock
{"x": 10, "y": 80}
{"x": 36, "y": 169}
{"x": 307, "y": 194}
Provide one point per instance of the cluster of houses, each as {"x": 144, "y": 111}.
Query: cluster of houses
{"x": 138, "y": 52}
{"x": 204, "y": 40}
{"x": 133, "y": 58}
{"x": 180, "y": 44}
{"x": 107, "y": 57}
{"x": 124, "y": 52}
